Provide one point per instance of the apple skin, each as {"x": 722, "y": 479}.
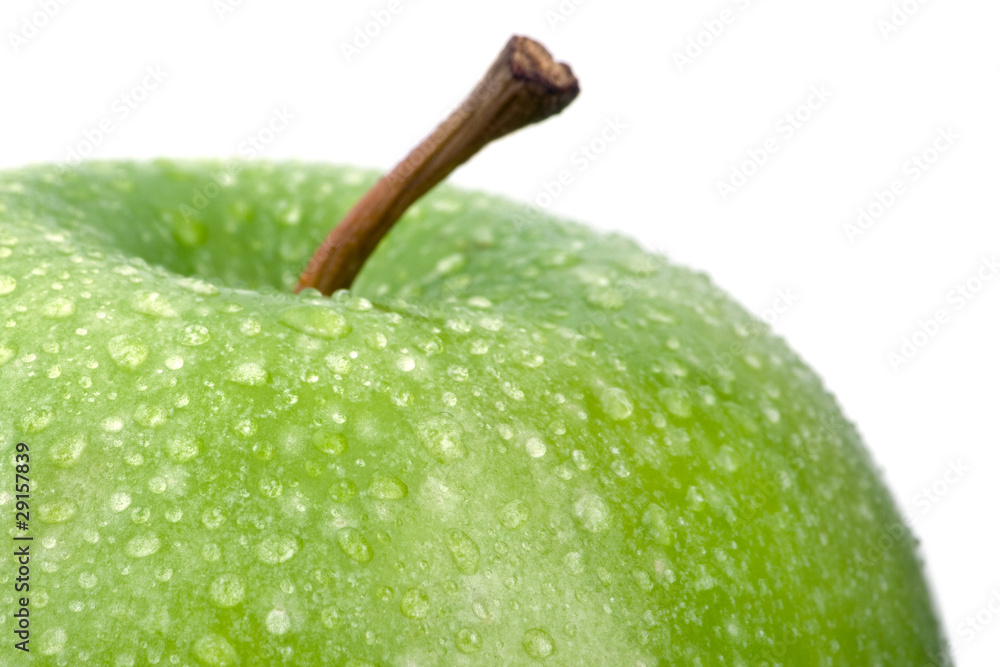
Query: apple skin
{"x": 515, "y": 441}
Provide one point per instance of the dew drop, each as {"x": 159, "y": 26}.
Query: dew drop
{"x": 442, "y": 436}
{"x": 536, "y": 448}
{"x": 514, "y": 514}
{"x": 7, "y": 352}
{"x": 183, "y": 447}
{"x": 593, "y": 513}
{"x": 415, "y": 604}
{"x": 174, "y": 363}
{"x": 405, "y": 364}
{"x": 227, "y": 591}
{"x": 67, "y": 451}
{"x": 573, "y": 562}
{"x": 538, "y": 644}
{"x": 468, "y": 641}
{"x": 249, "y": 374}
{"x": 214, "y": 651}
{"x": 343, "y": 490}
{"x": 142, "y": 546}
{"x": 127, "y": 351}
{"x": 152, "y": 303}
{"x": 7, "y": 285}
{"x": 194, "y": 335}
{"x": 59, "y": 510}
{"x": 385, "y": 486}
{"x": 354, "y": 544}
{"x": 59, "y": 308}
{"x": 464, "y": 551}
{"x": 316, "y": 321}
{"x": 87, "y": 579}
{"x": 676, "y": 401}
{"x": 120, "y": 502}
{"x": 198, "y": 286}
{"x": 52, "y": 641}
{"x": 250, "y": 327}
{"x": 277, "y": 622}
{"x": 329, "y": 442}
{"x": 616, "y": 403}
{"x": 275, "y": 549}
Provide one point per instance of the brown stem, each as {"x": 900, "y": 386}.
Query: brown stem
{"x": 524, "y": 86}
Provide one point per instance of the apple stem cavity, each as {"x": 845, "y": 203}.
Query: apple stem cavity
{"x": 525, "y": 85}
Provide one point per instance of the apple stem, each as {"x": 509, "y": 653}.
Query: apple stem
{"x": 524, "y": 86}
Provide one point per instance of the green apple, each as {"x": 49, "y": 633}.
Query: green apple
{"x": 511, "y": 441}
{"x": 506, "y": 444}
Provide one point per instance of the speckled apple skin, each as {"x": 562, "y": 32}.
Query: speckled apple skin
{"x": 516, "y": 441}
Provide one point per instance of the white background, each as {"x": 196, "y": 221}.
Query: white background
{"x": 228, "y": 65}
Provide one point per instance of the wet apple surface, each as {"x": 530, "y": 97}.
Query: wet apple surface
{"x": 513, "y": 440}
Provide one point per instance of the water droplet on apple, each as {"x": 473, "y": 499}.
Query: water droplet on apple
{"x": 59, "y": 308}
{"x": 514, "y": 514}
{"x": 538, "y": 644}
{"x": 536, "y": 448}
{"x": 249, "y": 374}
{"x": 250, "y": 327}
{"x": 275, "y": 549}
{"x": 616, "y": 403}
{"x": 127, "y": 351}
{"x": 58, "y": 510}
{"x": 593, "y": 513}
{"x": 36, "y": 420}
{"x": 415, "y": 604}
{"x": 316, "y": 321}
{"x": 676, "y": 401}
{"x": 385, "y": 486}
{"x": 277, "y": 622}
{"x": 464, "y": 551}
{"x": 214, "y": 651}
{"x": 52, "y": 641}
{"x": 343, "y": 490}
{"x": 152, "y": 303}
{"x": 142, "y": 546}
{"x": 67, "y": 451}
{"x": 183, "y": 447}
{"x": 442, "y": 436}
{"x": 405, "y": 364}
{"x": 354, "y": 544}
{"x": 227, "y": 590}
{"x": 87, "y": 579}
{"x": 573, "y": 562}
{"x": 213, "y": 518}
{"x": 7, "y": 285}
{"x": 195, "y": 335}
{"x": 657, "y": 524}
{"x": 120, "y": 501}
{"x": 174, "y": 363}
{"x": 329, "y": 442}
{"x": 198, "y": 286}
{"x": 7, "y": 352}
{"x": 468, "y": 640}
